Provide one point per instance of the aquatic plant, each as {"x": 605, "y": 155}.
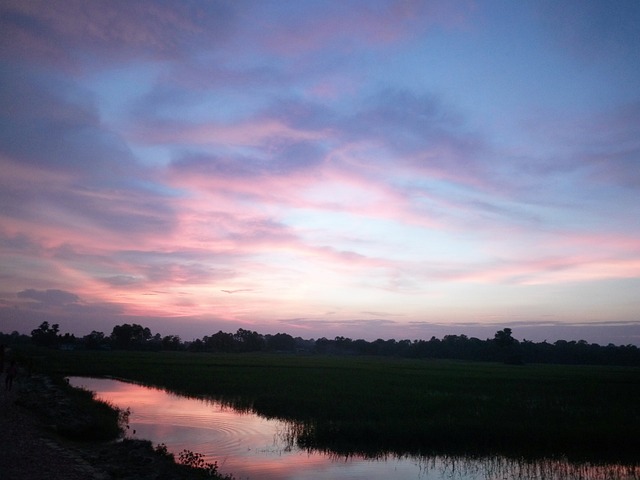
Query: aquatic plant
{"x": 197, "y": 461}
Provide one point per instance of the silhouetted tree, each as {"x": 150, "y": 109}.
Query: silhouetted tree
{"x": 130, "y": 336}
{"x": 248, "y": 341}
{"x": 45, "y": 336}
{"x": 95, "y": 340}
{"x": 502, "y": 347}
{"x": 323, "y": 345}
{"x": 503, "y": 338}
{"x": 171, "y": 342}
{"x": 281, "y": 342}
{"x": 196, "y": 346}
{"x": 219, "y": 342}
{"x": 508, "y": 347}
{"x": 14, "y": 338}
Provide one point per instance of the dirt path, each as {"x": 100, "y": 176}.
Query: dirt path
{"x": 27, "y": 452}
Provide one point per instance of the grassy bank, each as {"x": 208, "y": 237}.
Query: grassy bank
{"x": 70, "y": 412}
{"x": 83, "y": 431}
{"x": 376, "y": 405}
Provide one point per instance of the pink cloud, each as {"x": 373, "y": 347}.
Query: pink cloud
{"x": 347, "y": 164}
{"x": 245, "y": 233}
{"x": 325, "y": 187}
{"x": 537, "y": 271}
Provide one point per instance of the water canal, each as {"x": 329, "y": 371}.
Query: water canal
{"x": 252, "y": 447}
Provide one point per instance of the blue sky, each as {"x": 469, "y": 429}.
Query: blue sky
{"x": 371, "y": 169}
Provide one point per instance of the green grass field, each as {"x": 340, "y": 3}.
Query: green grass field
{"x": 377, "y": 405}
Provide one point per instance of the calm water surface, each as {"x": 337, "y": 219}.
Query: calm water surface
{"x": 252, "y": 447}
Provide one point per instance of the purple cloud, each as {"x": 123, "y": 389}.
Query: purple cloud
{"x": 44, "y": 32}
{"x": 52, "y": 297}
{"x": 53, "y": 124}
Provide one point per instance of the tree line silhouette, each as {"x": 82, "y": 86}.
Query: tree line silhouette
{"x": 503, "y": 347}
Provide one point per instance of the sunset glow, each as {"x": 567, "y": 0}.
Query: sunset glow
{"x": 372, "y": 169}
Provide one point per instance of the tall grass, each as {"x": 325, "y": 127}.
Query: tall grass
{"x": 381, "y": 405}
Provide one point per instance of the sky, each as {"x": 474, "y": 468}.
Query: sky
{"x": 369, "y": 169}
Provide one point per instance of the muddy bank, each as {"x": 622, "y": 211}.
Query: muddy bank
{"x": 41, "y": 425}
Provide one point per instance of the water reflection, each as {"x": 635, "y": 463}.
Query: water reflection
{"x": 250, "y": 446}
